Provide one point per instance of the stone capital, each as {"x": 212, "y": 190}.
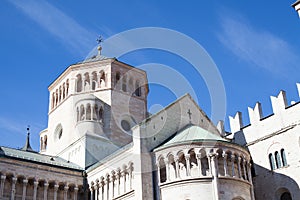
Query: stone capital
{"x": 25, "y": 181}
{"x": 56, "y": 187}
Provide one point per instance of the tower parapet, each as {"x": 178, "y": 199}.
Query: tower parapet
{"x": 260, "y": 126}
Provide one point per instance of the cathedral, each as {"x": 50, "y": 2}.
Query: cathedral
{"x": 101, "y": 143}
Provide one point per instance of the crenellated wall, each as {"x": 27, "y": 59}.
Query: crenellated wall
{"x": 260, "y": 126}
{"x": 274, "y": 144}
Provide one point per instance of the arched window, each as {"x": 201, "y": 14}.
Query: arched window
{"x": 78, "y": 116}
{"x": 124, "y": 84}
{"x": 277, "y": 159}
{"x": 42, "y": 144}
{"x": 86, "y": 82}
{"x": 88, "y": 112}
{"x": 130, "y": 85}
{"x": 102, "y": 79}
{"x": 82, "y": 113}
{"x": 271, "y": 161}
{"x": 172, "y": 167}
{"x": 67, "y": 87}
{"x": 56, "y": 97}
{"x": 94, "y": 81}
{"x": 162, "y": 170}
{"x": 100, "y": 114}
{"x": 193, "y": 163}
{"x": 286, "y": 196}
{"x": 53, "y": 100}
{"x": 282, "y": 153}
{"x": 118, "y": 76}
{"x": 60, "y": 93}
{"x": 137, "y": 89}
{"x": 204, "y": 163}
{"x": 45, "y": 142}
{"x": 182, "y": 165}
{"x": 95, "y": 112}
{"x": 64, "y": 91}
{"x": 79, "y": 83}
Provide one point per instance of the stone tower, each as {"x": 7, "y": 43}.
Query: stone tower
{"x": 93, "y": 105}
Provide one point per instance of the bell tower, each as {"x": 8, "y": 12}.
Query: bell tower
{"x": 93, "y": 106}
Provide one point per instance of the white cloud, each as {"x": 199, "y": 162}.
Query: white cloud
{"x": 258, "y": 47}
{"x": 15, "y": 126}
{"x": 57, "y": 23}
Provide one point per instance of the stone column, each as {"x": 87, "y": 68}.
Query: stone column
{"x": 225, "y": 164}
{"x": 35, "y": 185}
{"x": 3, "y": 178}
{"x": 232, "y": 165}
{"x": 46, "y": 185}
{"x": 130, "y": 176}
{"x": 158, "y": 172}
{"x": 124, "y": 180}
{"x": 118, "y": 182}
{"x": 188, "y": 165}
{"x": 13, "y": 188}
{"x": 177, "y": 167}
{"x": 108, "y": 186}
{"x": 75, "y": 193}
{"x": 96, "y": 191}
{"x": 92, "y": 191}
{"x": 167, "y": 170}
{"x": 83, "y": 83}
{"x": 101, "y": 188}
{"x": 214, "y": 170}
{"x": 111, "y": 186}
{"x": 244, "y": 168}
{"x": 198, "y": 156}
{"x": 66, "y": 188}
{"x": 250, "y": 180}
{"x": 25, "y": 182}
{"x": 239, "y": 167}
{"x": 55, "y": 191}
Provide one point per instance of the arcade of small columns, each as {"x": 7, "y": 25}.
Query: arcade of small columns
{"x": 202, "y": 163}
{"x": 89, "y": 111}
{"x": 19, "y": 187}
{"x": 112, "y": 185}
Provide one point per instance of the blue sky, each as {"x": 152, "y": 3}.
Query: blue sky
{"x": 253, "y": 43}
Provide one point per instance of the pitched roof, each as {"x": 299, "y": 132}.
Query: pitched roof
{"x": 31, "y": 156}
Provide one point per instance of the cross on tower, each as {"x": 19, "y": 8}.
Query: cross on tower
{"x": 190, "y": 115}
{"x": 99, "y": 40}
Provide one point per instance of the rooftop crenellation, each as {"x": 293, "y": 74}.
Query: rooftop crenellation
{"x": 279, "y": 105}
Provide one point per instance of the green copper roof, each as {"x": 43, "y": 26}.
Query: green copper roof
{"x": 30, "y": 156}
{"x": 193, "y": 133}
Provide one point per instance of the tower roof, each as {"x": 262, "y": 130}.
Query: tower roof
{"x": 27, "y": 146}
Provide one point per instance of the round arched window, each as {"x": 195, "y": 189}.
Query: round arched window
{"x": 286, "y": 196}
{"x": 125, "y": 125}
{"x": 58, "y": 131}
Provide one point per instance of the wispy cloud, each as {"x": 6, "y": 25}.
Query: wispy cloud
{"x": 257, "y": 46}
{"x": 66, "y": 29}
{"x": 17, "y": 126}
